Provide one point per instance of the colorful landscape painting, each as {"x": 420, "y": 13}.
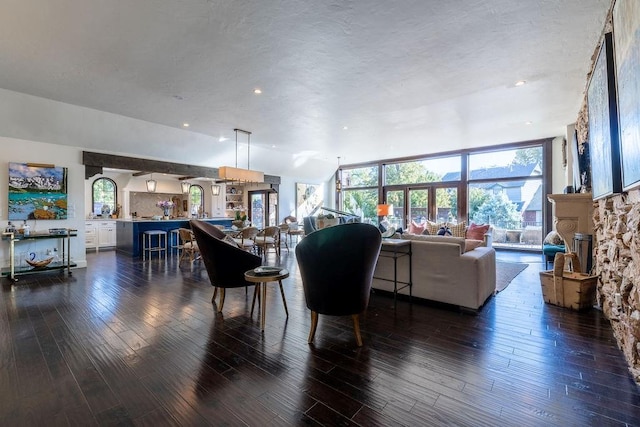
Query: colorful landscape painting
{"x": 37, "y": 192}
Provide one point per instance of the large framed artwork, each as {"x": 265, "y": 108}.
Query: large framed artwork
{"x": 37, "y": 191}
{"x": 603, "y": 125}
{"x": 308, "y": 197}
{"x": 626, "y": 30}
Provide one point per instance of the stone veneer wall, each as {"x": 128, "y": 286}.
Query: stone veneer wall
{"x": 617, "y": 263}
{"x": 616, "y": 249}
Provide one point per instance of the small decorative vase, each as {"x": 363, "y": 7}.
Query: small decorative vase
{"x": 166, "y": 213}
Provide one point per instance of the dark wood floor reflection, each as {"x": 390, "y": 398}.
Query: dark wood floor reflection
{"x": 138, "y": 343}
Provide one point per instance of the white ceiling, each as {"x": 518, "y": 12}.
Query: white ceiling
{"x": 406, "y": 77}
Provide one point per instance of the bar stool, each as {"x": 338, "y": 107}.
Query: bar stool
{"x": 147, "y": 241}
{"x": 174, "y": 240}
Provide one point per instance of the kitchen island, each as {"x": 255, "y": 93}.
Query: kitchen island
{"x": 129, "y": 231}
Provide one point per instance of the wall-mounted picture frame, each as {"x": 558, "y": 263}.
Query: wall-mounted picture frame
{"x": 626, "y": 30}
{"x": 604, "y": 143}
{"x": 308, "y": 197}
{"x": 37, "y": 191}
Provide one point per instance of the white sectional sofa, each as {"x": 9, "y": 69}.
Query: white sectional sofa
{"x": 442, "y": 271}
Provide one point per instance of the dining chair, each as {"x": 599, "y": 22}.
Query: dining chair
{"x": 188, "y": 245}
{"x": 267, "y": 237}
{"x": 284, "y": 231}
{"x": 244, "y": 238}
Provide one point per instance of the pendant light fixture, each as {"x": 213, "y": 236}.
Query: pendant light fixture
{"x": 238, "y": 174}
{"x": 338, "y": 182}
{"x": 215, "y": 189}
{"x": 186, "y": 186}
{"x": 151, "y": 185}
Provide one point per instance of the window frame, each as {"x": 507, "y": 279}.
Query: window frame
{"x": 93, "y": 193}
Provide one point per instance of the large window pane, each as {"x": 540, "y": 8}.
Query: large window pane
{"x": 520, "y": 162}
{"x": 361, "y": 177}
{"x": 418, "y": 206}
{"x": 396, "y": 198}
{"x": 514, "y": 208}
{"x": 447, "y": 205}
{"x": 362, "y": 203}
{"x": 422, "y": 171}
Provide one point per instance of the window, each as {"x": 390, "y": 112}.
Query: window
{"x": 362, "y": 203}
{"x": 422, "y": 171}
{"x": 196, "y": 200}
{"x": 103, "y": 196}
{"x": 505, "y": 190}
{"x": 360, "y": 177}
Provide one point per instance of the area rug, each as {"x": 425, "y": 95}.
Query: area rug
{"x": 506, "y": 272}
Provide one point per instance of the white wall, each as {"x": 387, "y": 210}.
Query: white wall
{"x": 21, "y": 151}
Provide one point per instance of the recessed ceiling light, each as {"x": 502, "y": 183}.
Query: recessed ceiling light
{"x": 273, "y": 146}
{"x": 528, "y": 123}
{"x": 186, "y": 125}
{"x": 257, "y": 91}
{"x": 222, "y": 139}
{"x": 521, "y": 82}
{"x": 345, "y": 127}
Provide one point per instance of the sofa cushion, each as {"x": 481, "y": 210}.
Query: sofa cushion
{"x": 477, "y": 231}
{"x": 471, "y": 244}
{"x": 439, "y": 239}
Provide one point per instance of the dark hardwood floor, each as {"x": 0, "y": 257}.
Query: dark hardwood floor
{"x": 126, "y": 342}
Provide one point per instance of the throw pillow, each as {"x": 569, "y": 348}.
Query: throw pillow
{"x": 444, "y": 231}
{"x": 416, "y": 228}
{"x": 432, "y": 227}
{"x": 553, "y": 238}
{"x": 477, "y": 231}
{"x": 458, "y": 230}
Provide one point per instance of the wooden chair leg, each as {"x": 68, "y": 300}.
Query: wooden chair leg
{"x": 314, "y": 325}
{"x": 284, "y": 301}
{"x": 356, "y": 329}
{"x": 221, "y": 302}
{"x": 215, "y": 292}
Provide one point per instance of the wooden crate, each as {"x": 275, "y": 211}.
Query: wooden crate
{"x": 569, "y": 289}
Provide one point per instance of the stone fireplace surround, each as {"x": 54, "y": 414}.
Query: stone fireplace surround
{"x": 617, "y": 263}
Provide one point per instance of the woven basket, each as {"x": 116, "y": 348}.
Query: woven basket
{"x": 569, "y": 289}
{"x": 41, "y": 263}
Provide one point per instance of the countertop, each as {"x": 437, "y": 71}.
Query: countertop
{"x": 169, "y": 220}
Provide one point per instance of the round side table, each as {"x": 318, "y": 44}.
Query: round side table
{"x": 261, "y": 280}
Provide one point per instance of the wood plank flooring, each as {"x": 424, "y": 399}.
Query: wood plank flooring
{"x": 126, "y": 342}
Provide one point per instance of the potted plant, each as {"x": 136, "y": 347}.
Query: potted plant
{"x": 240, "y": 220}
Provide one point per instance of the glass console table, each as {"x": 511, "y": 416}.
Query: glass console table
{"x": 64, "y": 262}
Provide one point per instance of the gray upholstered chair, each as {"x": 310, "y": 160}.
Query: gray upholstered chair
{"x": 225, "y": 263}
{"x": 336, "y": 265}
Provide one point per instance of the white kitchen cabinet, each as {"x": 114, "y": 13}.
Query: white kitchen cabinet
{"x": 100, "y": 234}
{"x": 106, "y": 234}
{"x": 90, "y": 235}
